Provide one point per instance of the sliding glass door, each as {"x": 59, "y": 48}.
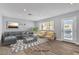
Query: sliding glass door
{"x": 68, "y": 29}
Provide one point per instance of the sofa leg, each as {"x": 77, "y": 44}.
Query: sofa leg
{"x": 54, "y": 38}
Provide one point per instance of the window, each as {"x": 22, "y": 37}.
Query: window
{"x": 49, "y": 25}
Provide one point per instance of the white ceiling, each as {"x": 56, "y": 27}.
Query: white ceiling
{"x": 39, "y": 11}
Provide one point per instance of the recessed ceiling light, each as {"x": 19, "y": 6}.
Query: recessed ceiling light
{"x": 29, "y": 14}
{"x": 71, "y": 3}
{"x": 24, "y": 9}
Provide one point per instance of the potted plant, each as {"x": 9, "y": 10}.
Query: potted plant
{"x": 35, "y": 29}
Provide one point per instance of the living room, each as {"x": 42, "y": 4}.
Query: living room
{"x": 39, "y": 28}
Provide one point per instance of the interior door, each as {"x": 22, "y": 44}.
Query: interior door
{"x": 67, "y": 29}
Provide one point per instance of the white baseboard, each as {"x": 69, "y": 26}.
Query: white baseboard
{"x": 76, "y": 43}
{"x": 59, "y": 39}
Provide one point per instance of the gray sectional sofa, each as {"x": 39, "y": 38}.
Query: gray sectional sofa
{"x": 12, "y": 37}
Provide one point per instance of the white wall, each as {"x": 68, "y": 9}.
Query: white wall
{"x": 0, "y": 27}
{"x": 22, "y": 27}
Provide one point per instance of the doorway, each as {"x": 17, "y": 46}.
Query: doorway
{"x": 68, "y": 29}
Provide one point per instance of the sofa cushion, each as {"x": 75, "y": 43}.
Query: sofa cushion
{"x": 41, "y": 33}
{"x": 49, "y": 34}
{"x": 10, "y": 37}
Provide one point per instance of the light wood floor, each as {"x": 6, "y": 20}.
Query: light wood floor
{"x": 48, "y": 48}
